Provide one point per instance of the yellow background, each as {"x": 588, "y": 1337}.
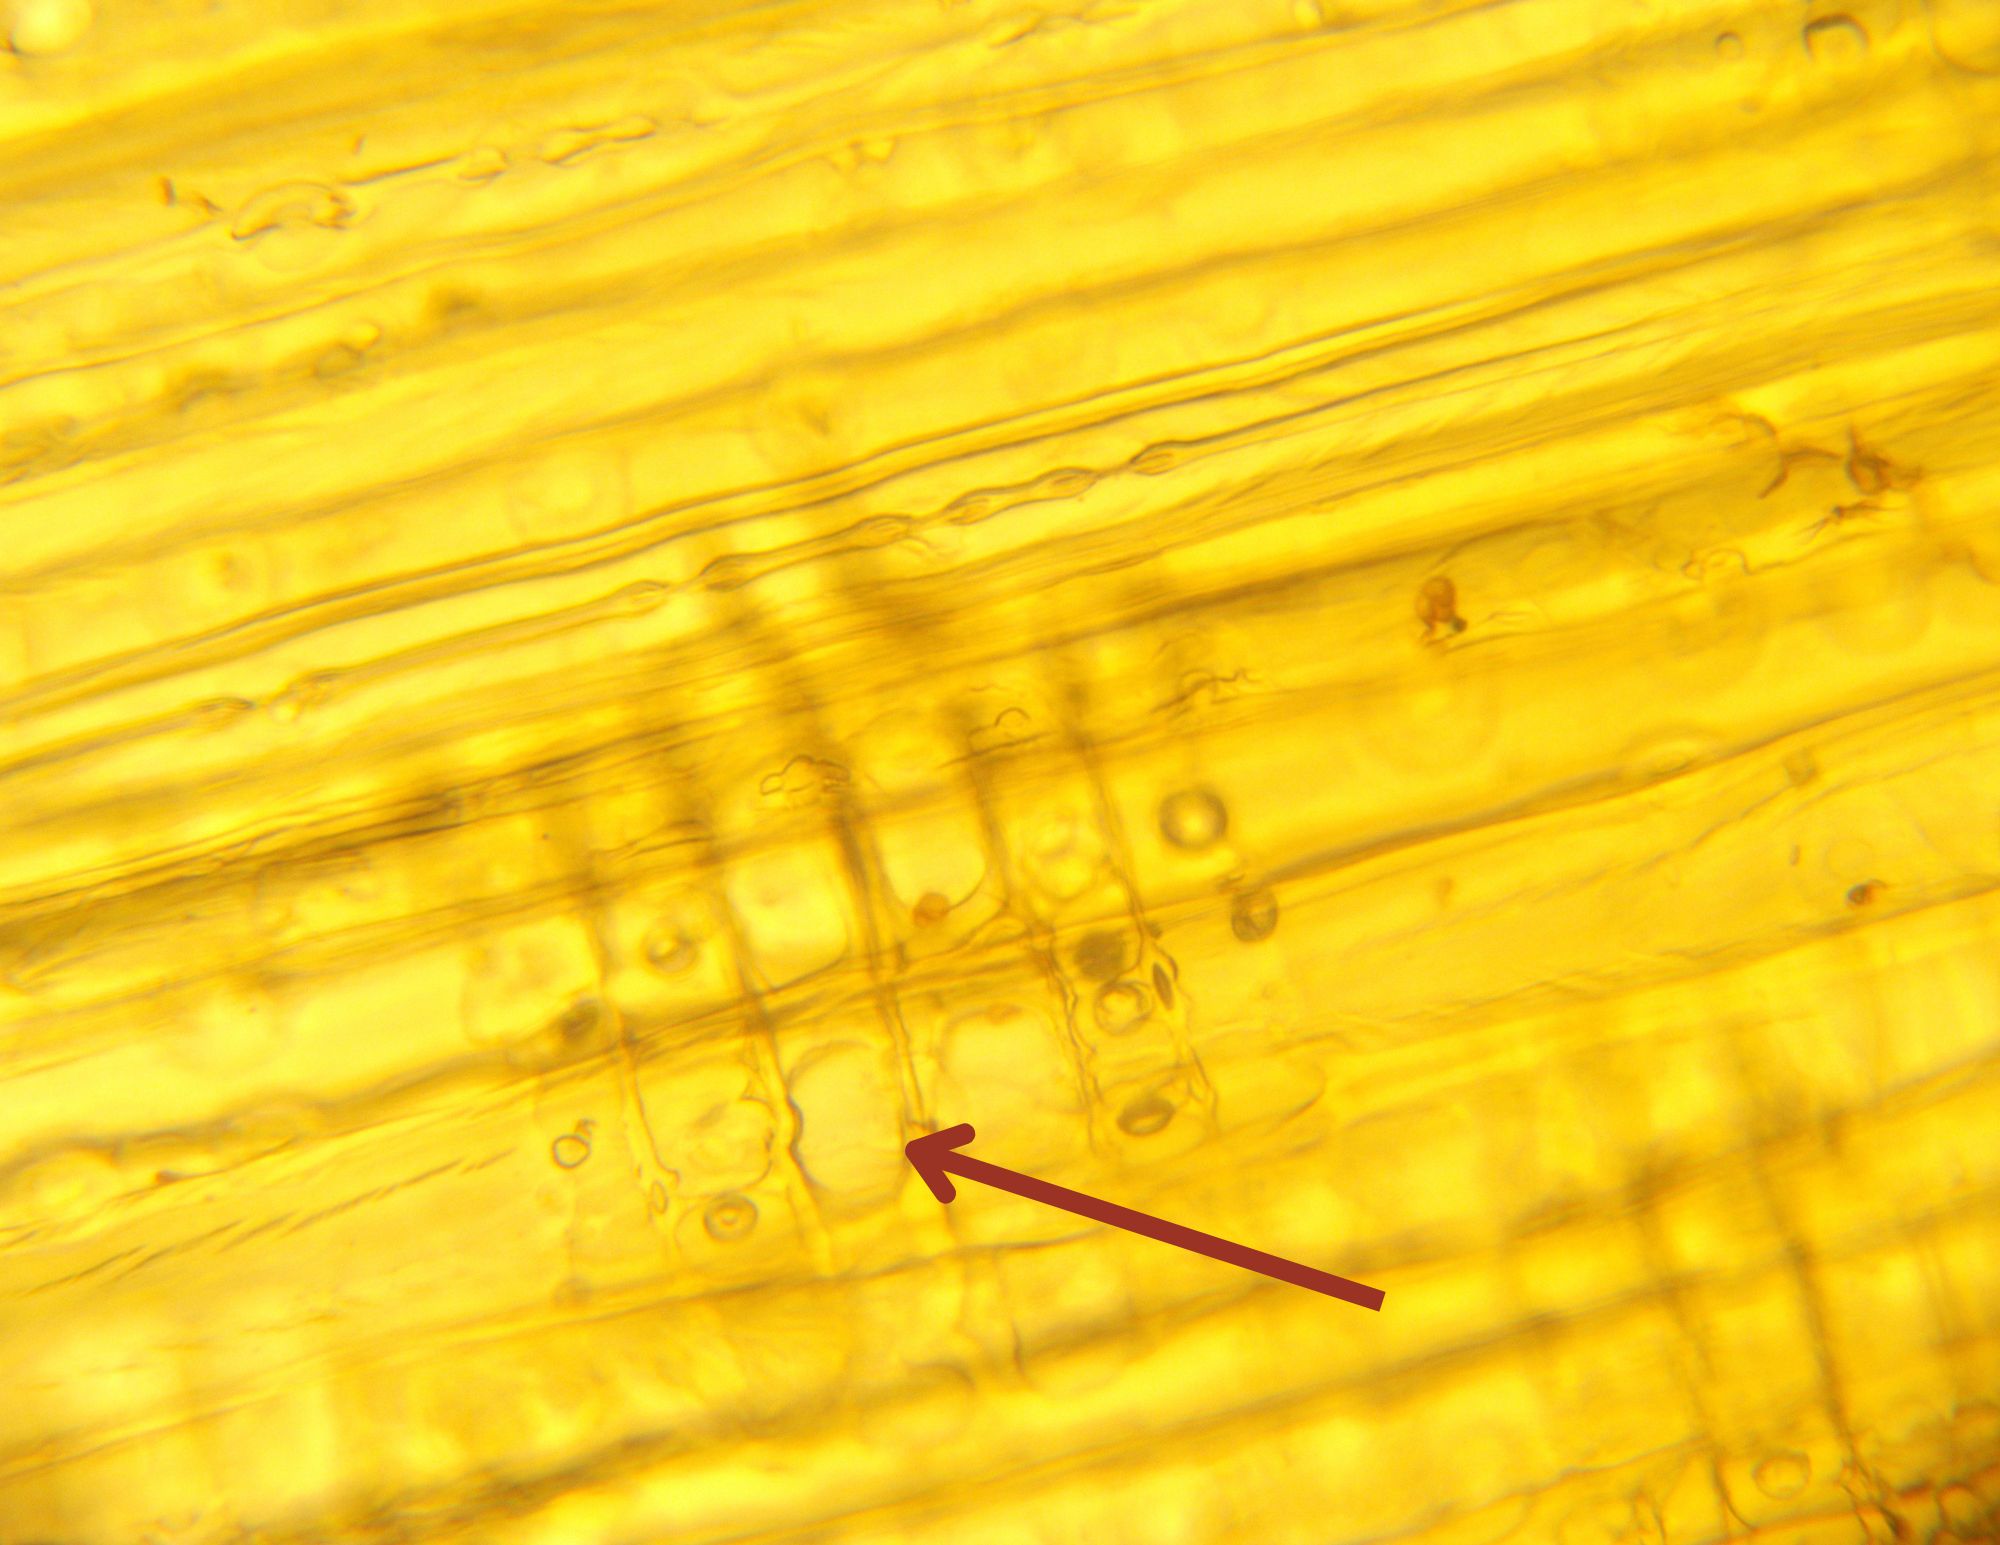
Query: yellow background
{"x": 1370, "y": 625}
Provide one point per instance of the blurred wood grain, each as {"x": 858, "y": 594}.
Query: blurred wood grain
{"x": 1369, "y": 626}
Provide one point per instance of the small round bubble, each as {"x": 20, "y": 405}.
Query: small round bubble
{"x": 729, "y": 1217}
{"x": 1121, "y": 1006}
{"x": 1783, "y": 1475}
{"x": 1146, "y": 1115}
{"x": 1193, "y": 819}
{"x": 1253, "y": 916}
{"x": 669, "y": 950}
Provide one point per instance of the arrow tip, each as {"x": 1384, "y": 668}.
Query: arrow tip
{"x": 927, "y": 1155}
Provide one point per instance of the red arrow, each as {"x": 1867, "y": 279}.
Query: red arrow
{"x": 936, "y": 1158}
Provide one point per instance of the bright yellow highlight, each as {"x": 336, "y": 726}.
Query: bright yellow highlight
{"x": 1372, "y": 626}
